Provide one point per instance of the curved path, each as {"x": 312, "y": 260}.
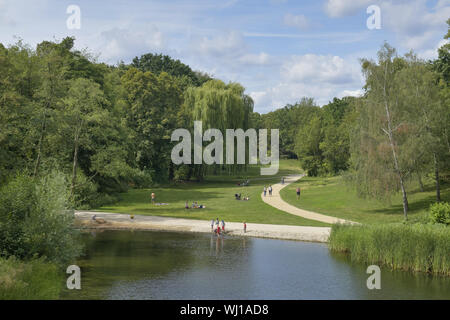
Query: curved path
{"x": 276, "y": 201}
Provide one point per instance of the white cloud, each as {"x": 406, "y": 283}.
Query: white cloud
{"x": 255, "y": 59}
{"x": 351, "y": 93}
{"x": 298, "y": 21}
{"x": 317, "y": 76}
{"x": 319, "y": 68}
{"x": 125, "y": 43}
{"x": 229, "y": 45}
{"x": 413, "y": 22}
{"x": 341, "y": 8}
{"x": 431, "y": 54}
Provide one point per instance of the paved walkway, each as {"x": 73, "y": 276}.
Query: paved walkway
{"x": 276, "y": 201}
{"x": 141, "y": 222}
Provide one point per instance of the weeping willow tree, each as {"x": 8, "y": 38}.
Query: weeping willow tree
{"x": 219, "y": 106}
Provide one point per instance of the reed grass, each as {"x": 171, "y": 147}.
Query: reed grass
{"x": 411, "y": 247}
{"x": 31, "y": 280}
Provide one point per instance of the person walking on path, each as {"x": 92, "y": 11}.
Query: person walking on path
{"x": 270, "y": 190}
{"x": 153, "y": 198}
{"x": 298, "y": 192}
{"x": 245, "y": 227}
{"x": 265, "y": 191}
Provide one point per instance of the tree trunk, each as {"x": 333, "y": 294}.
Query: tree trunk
{"x": 394, "y": 154}
{"x": 75, "y": 163}
{"x": 436, "y": 177}
{"x": 41, "y": 141}
{"x": 419, "y": 178}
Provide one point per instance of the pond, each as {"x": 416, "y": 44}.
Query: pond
{"x": 169, "y": 265}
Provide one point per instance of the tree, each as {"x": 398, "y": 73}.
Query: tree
{"x": 83, "y": 106}
{"x": 384, "y": 134}
{"x": 157, "y": 63}
{"x": 152, "y": 104}
{"x": 419, "y": 92}
{"x": 308, "y": 147}
{"x": 219, "y": 106}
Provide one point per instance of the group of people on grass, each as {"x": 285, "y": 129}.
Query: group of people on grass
{"x": 195, "y": 205}
{"x": 238, "y": 196}
{"x": 244, "y": 184}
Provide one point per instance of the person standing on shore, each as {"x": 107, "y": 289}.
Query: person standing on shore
{"x": 245, "y": 227}
{"x": 223, "y": 226}
{"x": 212, "y": 224}
{"x": 298, "y": 192}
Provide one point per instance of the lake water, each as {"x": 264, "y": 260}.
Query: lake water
{"x": 168, "y": 265}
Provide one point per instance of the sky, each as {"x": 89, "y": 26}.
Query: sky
{"x": 279, "y": 50}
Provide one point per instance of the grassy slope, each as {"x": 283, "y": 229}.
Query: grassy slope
{"x": 217, "y": 194}
{"x": 332, "y": 197}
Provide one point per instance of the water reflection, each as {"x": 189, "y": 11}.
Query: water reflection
{"x": 165, "y": 265}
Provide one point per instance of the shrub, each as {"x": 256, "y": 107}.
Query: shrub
{"x": 35, "y": 220}
{"x": 440, "y": 213}
{"x": 85, "y": 192}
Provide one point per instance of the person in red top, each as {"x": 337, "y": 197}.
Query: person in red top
{"x": 245, "y": 227}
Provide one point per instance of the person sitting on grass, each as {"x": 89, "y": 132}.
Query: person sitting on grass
{"x": 186, "y": 205}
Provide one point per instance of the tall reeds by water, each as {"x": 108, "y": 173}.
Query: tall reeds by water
{"x": 415, "y": 247}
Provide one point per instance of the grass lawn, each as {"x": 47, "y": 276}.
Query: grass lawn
{"x": 331, "y": 196}
{"x": 217, "y": 194}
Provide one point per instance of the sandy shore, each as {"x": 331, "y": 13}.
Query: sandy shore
{"x": 123, "y": 221}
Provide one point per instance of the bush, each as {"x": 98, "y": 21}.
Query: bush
{"x": 440, "y": 213}
{"x": 35, "y": 220}
{"x": 85, "y": 192}
{"x": 182, "y": 173}
{"x": 35, "y": 279}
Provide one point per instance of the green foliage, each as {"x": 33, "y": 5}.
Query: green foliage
{"x": 440, "y": 213}
{"x": 32, "y": 280}
{"x": 416, "y": 247}
{"x": 34, "y": 220}
{"x": 157, "y": 63}
{"x": 220, "y": 106}
{"x": 152, "y": 103}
